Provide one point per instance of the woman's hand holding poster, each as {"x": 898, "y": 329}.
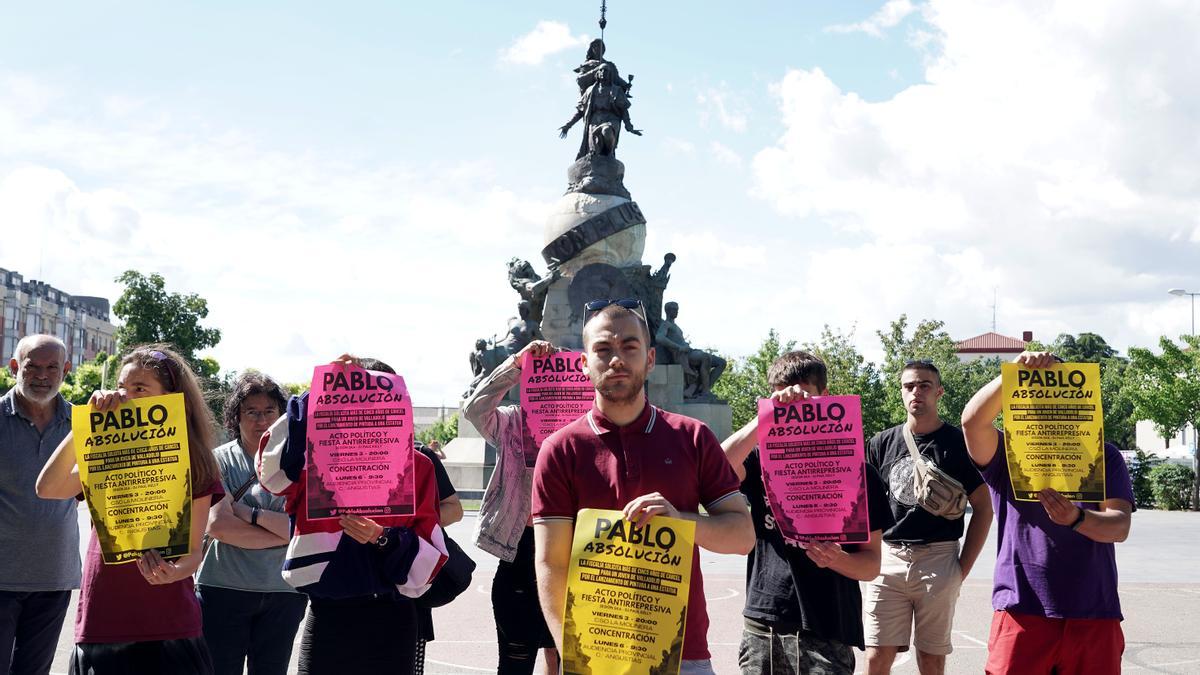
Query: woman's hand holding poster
{"x": 554, "y": 392}
{"x": 135, "y": 470}
{"x": 360, "y": 444}
{"x": 627, "y": 592}
{"x": 814, "y": 468}
{"x": 1054, "y": 430}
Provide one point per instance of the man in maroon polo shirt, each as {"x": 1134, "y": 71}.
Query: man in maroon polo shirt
{"x": 627, "y": 454}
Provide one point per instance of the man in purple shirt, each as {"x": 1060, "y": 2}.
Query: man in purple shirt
{"x": 1055, "y": 584}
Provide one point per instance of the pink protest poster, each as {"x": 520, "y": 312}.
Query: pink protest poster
{"x": 814, "y": 468}
{"x": 360, "y": 444}
{"x": 554, "y": 392}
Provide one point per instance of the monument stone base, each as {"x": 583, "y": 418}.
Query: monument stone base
{"x": 470, "y": 460}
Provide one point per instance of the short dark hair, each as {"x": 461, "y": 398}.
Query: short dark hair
{"x": 922, "y": 364}
{"x": 246, "y": 385}
{"x": 368, "y": 363}
{"x": 798, "y": 367}
{"x": 616, "y": 311}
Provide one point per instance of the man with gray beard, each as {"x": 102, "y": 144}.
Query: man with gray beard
{"x": 39, "y": 537}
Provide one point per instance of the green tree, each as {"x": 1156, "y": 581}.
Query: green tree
{"x": 1139, "y": 475}
{"x": 1119, "y": 422}
{"x": 1172, "y": 485}
{"x": 296, "y": 388}
{"x": 99, "y": 373}
{"x": 1165, "y": 389}
{"x": 1083, "y": 348}
{"x": 930, "y": 341}
{"x": 443, "y": 430}
{"x": 851, "y": 373}
{"x": 152, "y": 314}
{"x": 7, "y": 381}
{"x": 745, "y": 381}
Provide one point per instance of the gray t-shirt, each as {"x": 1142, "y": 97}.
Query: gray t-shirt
{"x": 39, "y": 538}
{"x": 229, "y": 566}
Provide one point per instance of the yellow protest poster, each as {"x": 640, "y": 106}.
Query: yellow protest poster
{"x": 627, "y": 593}
{"x": 136, "y": 474}
{"x": 1054, "y": 430}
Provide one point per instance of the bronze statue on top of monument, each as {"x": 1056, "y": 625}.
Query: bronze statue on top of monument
{"x": 603, "y": 104}
{"x": 594, "y": 241}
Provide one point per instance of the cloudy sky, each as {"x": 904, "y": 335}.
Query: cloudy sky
{"x": 335, "y": 178}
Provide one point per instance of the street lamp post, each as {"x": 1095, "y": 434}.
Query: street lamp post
{"x": 1180, "y": 293}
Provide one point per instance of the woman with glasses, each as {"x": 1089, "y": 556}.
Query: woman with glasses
{"x": 251, "y": 614}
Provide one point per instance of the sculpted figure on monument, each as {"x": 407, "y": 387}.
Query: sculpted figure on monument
{"x": 700, "y": 368}
{"x": 484, "y": 360}
{"x": 521, "y": 331}
{"x": 531, "y": 285}
{"x": 603, "y": 104}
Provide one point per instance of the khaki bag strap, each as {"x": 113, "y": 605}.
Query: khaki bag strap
{"x": 918, "y": 461}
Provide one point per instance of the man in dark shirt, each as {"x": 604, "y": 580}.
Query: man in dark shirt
{"x": 922, "y": 569}
{"x": 803, "y": 609}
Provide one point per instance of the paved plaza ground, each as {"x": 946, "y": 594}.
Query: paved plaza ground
{"x": 1160, "y": 595}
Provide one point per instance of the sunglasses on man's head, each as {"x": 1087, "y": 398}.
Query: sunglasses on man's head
{"x": 632, "y": 304}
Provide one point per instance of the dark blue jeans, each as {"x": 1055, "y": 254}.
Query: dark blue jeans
{"x": 251, "y": 630}
{"x": 29, "y": 627}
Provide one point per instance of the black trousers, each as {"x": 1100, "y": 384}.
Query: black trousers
{"x": 248, "y": 630}
{"x": 520, "y": 627}
{"x": 186, "y": 656}
{"x": 361, "y": 635}
{"x": 30, "y": 623}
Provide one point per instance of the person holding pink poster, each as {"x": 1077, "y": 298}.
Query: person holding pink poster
{"x": 803, "y": 611}
{"x": 811, "y": 451}
{"x": 504, "y": 528}
{"x": 360, "y": 572}
{"x": 360, "y": 438}
{"x": 554, "y": 392}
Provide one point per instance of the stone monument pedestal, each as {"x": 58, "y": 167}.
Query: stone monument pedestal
{"x": 469, "y": 461}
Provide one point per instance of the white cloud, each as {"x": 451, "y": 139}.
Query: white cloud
{"x": 679, "y": 146}
{"x": 729, "y": 109}
{"x": 1050, "y": 152}
{"x": 546, "y": 38}
{"x": 300, "y": 257}
{"x": 888, "y": 16}
{"x": 725, "y": 155}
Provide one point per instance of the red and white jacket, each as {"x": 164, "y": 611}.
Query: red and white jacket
{"x": 321, "y": 560}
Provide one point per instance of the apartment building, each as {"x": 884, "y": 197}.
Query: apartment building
{"x": 32, "y": 307}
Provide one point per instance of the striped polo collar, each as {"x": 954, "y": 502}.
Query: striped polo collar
{"x": 601, "y": 424}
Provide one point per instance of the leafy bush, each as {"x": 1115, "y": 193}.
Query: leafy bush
{"x": 1139, "y": 473}
{"x": 1172, "y": 486}
{"x": 443, "y": 431}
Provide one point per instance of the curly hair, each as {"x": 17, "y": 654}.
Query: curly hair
{"x": 250, "y": 383}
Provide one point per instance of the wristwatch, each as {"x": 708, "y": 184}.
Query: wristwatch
{"x": 1078, "y": 521}
{"x": 382, "y": 540}
{"x": 254, "y": 515}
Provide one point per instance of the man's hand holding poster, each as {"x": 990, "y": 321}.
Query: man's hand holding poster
{"x": 360, "y": 444}
{"x": 627, "y": 592}
{"x": 814, "y": 468}
{"x": 1054, "y": 430}
{"x": 554, "y": 392}
{"x": 135, "y": 470}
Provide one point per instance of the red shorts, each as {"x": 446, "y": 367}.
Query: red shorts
{"x": 1025, "y": 644}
